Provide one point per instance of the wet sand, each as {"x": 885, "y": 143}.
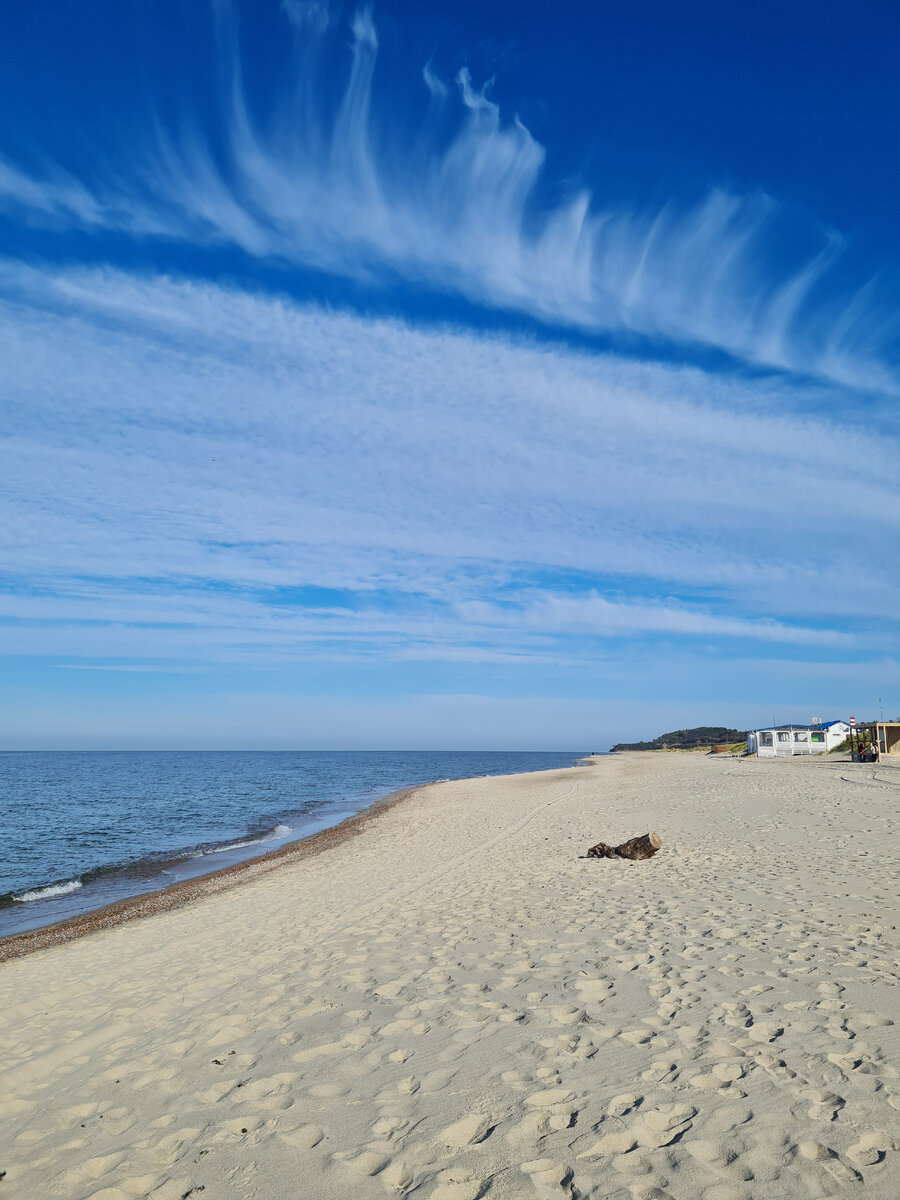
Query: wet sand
{"x": 447, "y": 1001}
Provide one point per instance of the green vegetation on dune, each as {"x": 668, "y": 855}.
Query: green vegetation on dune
{"x": 700, "y": 738}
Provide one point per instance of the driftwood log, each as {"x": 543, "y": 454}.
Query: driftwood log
{"x": 644, "y": 846}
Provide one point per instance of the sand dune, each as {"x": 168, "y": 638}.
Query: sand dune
{"x": 454, "y": 1005}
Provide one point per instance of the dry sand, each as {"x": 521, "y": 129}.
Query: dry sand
{"x": 453, "y": 1004}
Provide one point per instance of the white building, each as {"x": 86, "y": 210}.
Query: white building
{"x": 783, "y": 741}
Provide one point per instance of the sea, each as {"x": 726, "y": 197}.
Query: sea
{"x": 83, "y": 829}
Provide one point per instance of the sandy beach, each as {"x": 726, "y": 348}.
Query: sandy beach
{"x": 452, "y": 1003}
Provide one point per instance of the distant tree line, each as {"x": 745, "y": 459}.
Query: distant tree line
{"x": 688, "y": 739}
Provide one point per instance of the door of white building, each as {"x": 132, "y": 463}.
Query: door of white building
{"x": 784, "y": 743}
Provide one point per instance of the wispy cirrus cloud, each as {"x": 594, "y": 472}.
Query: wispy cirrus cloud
{"x": 461, "y": 206}
{"x": 308, "y": 14}
{"x": 595, "y": 614}
{"x": 196, "y": 471}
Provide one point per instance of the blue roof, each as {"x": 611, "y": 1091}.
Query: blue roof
{"x": 822, "y": 725}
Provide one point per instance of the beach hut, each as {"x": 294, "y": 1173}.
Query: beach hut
{"x": 784, "y": 741}
{"x": 883, "y": 734}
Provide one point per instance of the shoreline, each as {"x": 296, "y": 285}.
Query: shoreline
{"x": 305, "y": 793}
{"x": 187, "y": 891}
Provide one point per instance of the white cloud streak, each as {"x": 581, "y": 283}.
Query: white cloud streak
{"x": 468, "y": 215}
{"x": 596, "y": 615}
{"x": 307, "y": 14}
{"x": 190, "y": 455}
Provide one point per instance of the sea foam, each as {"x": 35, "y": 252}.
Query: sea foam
{"x": 280, "y": 831}
{"x": 55, "y": 889}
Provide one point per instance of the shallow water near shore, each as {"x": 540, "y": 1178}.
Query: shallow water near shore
{"x": 83, "y": 829}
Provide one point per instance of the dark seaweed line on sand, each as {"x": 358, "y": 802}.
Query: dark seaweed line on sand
{"x": 178, "y": 894}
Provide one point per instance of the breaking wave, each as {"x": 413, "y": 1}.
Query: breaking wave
{"x": 280, "y": 831}
{"x": 46, "y": 893}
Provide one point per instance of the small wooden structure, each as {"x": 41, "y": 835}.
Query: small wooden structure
{"x": 883, "y": 734}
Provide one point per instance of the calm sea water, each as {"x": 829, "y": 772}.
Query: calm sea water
{"x": 84, "y": 829}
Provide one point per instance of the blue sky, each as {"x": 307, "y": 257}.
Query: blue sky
{"x": 445, "y": 376}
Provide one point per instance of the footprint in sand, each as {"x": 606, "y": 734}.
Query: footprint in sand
{"x": 721, "y": 1078}
{"x": 594, "y": 990}
{"x": 659, "y": 1071}
{"x": 864, "y": 1153}
{"x": 659, "y": 1127}
{"x": 711, "y": 1152}
{"x": 390, "y": 1127}
{"x": 620, "y": 1105}
{"x": 436, "y": 1081}
{"x": 872, "y": 1020}
{"x": 637, "y": 1037}
{"x": 174, "y": 1146}
{"x": 841, "y": 1171}
{"x": 609, "y": 1144}
{"x": 564, "y": 1014}
{"x": 548, "y": 1096}
{"x": 824, "y": 1106}
{"x": 571, "y": 1046}
{"x": 737, "y": 1016}
{"x": 304, "y": 1137}
{"x": 398, "y": 1176}
{"x": 457, "y": 1184}
{"x": 273, "y": 1092}
{"x": 471, "y": 1129}
{"x": 366, "y": 1162}
{"x": 549, "y": 1177}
